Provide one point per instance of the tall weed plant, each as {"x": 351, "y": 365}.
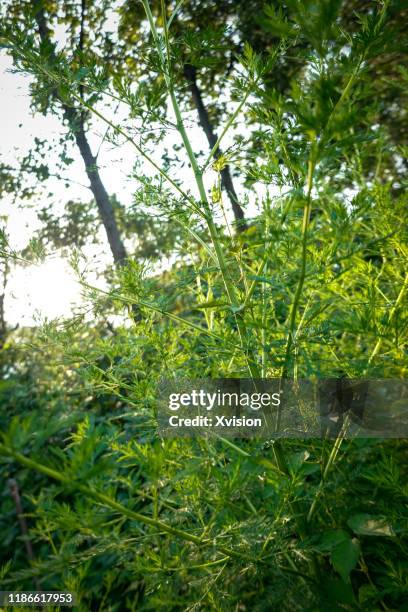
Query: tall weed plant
{"x": 314, "y": 287}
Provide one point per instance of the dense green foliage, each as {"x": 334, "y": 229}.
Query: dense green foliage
{"x": 314, "y": 286}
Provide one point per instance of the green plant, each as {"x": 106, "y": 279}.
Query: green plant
{"x": 314, "y": 287}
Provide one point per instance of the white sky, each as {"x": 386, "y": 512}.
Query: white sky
{"x": 28, "y": 288}
{"x": 50, "y": 289}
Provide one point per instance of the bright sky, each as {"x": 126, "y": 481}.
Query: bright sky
{"x": 49, "y": 289}
{"x": 29, "y": 288}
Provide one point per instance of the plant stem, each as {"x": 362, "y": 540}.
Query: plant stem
{"x": 305, "y": 228}
{"x": 330, "y": 461}
{"x": 226, "y": 128}
{"x": 228, "y": 283}
{"x": 105, "y": 500}
{"x": 390, "y": 317}
{"x": 307, "y": 210}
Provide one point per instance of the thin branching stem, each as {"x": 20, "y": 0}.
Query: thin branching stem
{"x": 198, "y": 175}
{"x": 303, "y": 262}
{"x": 109, "y": 502}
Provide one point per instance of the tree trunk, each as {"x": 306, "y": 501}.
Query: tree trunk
{"x": 190, "y": 73}
{"x": 76, "y": 119}
{"x": 105, "y": 208}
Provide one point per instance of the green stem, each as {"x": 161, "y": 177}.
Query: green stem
{"x": 299, "y": 289}
{"x": 169, "y": 315}
{"x": 306, "y": 215}
{"x": 330, "y": 461}
{"x": 105, "y": 500}
{"x": 140, "y": 150}
{"x": 345, "y": 91}
{"x": 109, "y": 502}
{"x": 228, "y": 283}
{"x": 390, "y": 317}
{"x": 226, "y": 128}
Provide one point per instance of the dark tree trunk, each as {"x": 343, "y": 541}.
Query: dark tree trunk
{"x": 105, "y": 208}
{"x": 76, "y": 120}
{"x": 190, "y": 73}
